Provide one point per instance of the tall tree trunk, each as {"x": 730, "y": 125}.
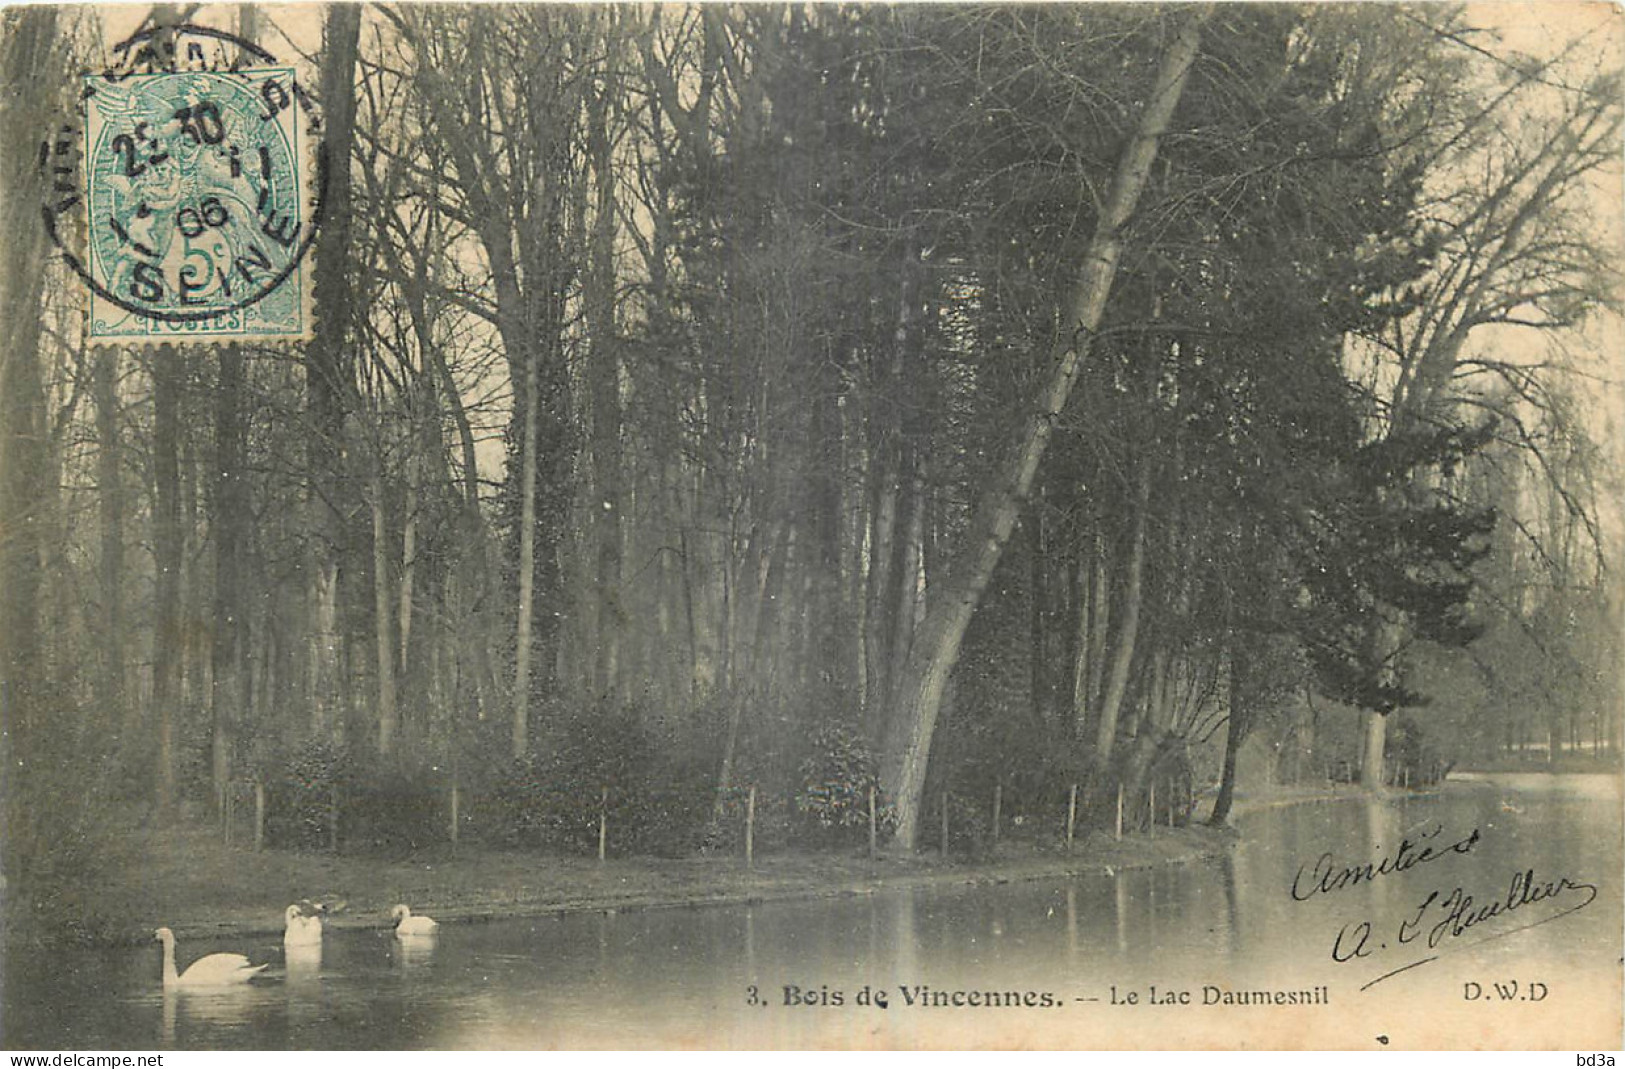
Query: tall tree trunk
{"x": 1373, "y": 771}
{"x": 110, "y": 487}
{"x": 196, "y": 638}
{"x": 1156, "y": 701}
{"x": 228, "y": 692}
{"x": 825, "y": 616}
{"x": 690, "y": 621}
{"x": 890, "y": 474}
{"x": 28, "y": 88}
{"x": 1037, "y": 641}
{"x": 1100, "y": 619}
{"x": 1240, "y": 715}
{"x": 1111, "y": 703}
{"x": 880, "y": 605}
{"x": 919, "y": 697}
{"x": 230, "y": 679}
{"x": 1373, "y": 768}
{"x": 388, "y": 714}
{"x": 754, "y": 684}
{"x": 409, "y": 545}
{"x": 1083, "y": 651}
{"x": 527, "y": 557}
{"x": 167, "y": 555}
{"x": 909, "y": 548}
{"x": 328, "y": 365}
{"x": 604, "y": 392}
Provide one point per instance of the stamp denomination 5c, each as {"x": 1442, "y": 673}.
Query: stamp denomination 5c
{"x": 198, "y": 208}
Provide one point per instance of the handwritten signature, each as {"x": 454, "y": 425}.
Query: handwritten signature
{"x": 1443, "y": 917}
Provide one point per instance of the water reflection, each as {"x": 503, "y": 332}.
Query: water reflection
{"x": 904, "y": 935}
{"x": 191, "y": 1011}
{"x": 412, "y": 952}
{"x": 303, "y": 963}
{"x": 1232, "y": 915}
{"x": 680, "y": 976}
{"x": 1071, "y": 924}
{"x": 1120, "y": 907}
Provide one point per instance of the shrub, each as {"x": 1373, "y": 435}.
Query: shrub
{"x": 394, "y": 809}
{"x": 299, "y": 809}
{"x": 678, "y": 805}
{"x": 654, "y": 799}
{"x": 832, "y": 799}
{"x": 775, "y": 825}
{"x": 508, "y": 814}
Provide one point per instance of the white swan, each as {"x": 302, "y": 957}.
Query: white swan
{"x": 303, "y": 930}
{"x": 211, "y": 970}
{"x": 406, "y": 924}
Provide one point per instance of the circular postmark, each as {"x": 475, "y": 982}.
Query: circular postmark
{"x": 192, "y": 191}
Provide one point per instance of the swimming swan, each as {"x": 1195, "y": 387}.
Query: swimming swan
{"x": 304, "y": 929}
{"x": 406, "y": 924}
{"x": 211, "y": 970}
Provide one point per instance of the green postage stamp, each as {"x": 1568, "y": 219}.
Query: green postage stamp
{"x": 198, "y": 207}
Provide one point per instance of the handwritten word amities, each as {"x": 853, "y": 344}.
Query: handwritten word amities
{"x": 1326, "y": 875}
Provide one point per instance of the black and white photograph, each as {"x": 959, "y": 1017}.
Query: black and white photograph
{"x": 802, "y": 526}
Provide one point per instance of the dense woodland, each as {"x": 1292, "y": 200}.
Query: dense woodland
{"x": 804, "y": 399}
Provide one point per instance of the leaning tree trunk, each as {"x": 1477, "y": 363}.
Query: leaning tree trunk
{"x": 918, "y": 697}
{"x": 1240, "y": 714}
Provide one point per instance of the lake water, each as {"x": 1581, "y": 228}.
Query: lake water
{"x": 1047, "y": 963}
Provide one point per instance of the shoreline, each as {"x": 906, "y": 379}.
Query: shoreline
{"x": 888, "y": 874}
{"x": 219, "y": 893}
{"x": 186, "y": 881}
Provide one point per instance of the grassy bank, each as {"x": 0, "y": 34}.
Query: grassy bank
{"x": 188, "y": 881}
{"x": 1278, "y": 795}
{"x": 1563, "y": 763}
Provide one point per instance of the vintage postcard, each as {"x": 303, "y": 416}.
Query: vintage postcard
{"x": 808, "y": 526}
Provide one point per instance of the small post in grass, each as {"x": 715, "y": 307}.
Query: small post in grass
{"x": 259, "y": 816}
{"x": 750, "y": 828}
{"x": 456, "y": 798}
{"x": 1071, "y": 815}
{"x": 872, "y": 825}
{"x": 1151, "y": 822}
{"x": 603, "y": 824}
{"x": 998, "y": 804}
{"x": 1119, "y": 812}
{"x": 945, "y": 825}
